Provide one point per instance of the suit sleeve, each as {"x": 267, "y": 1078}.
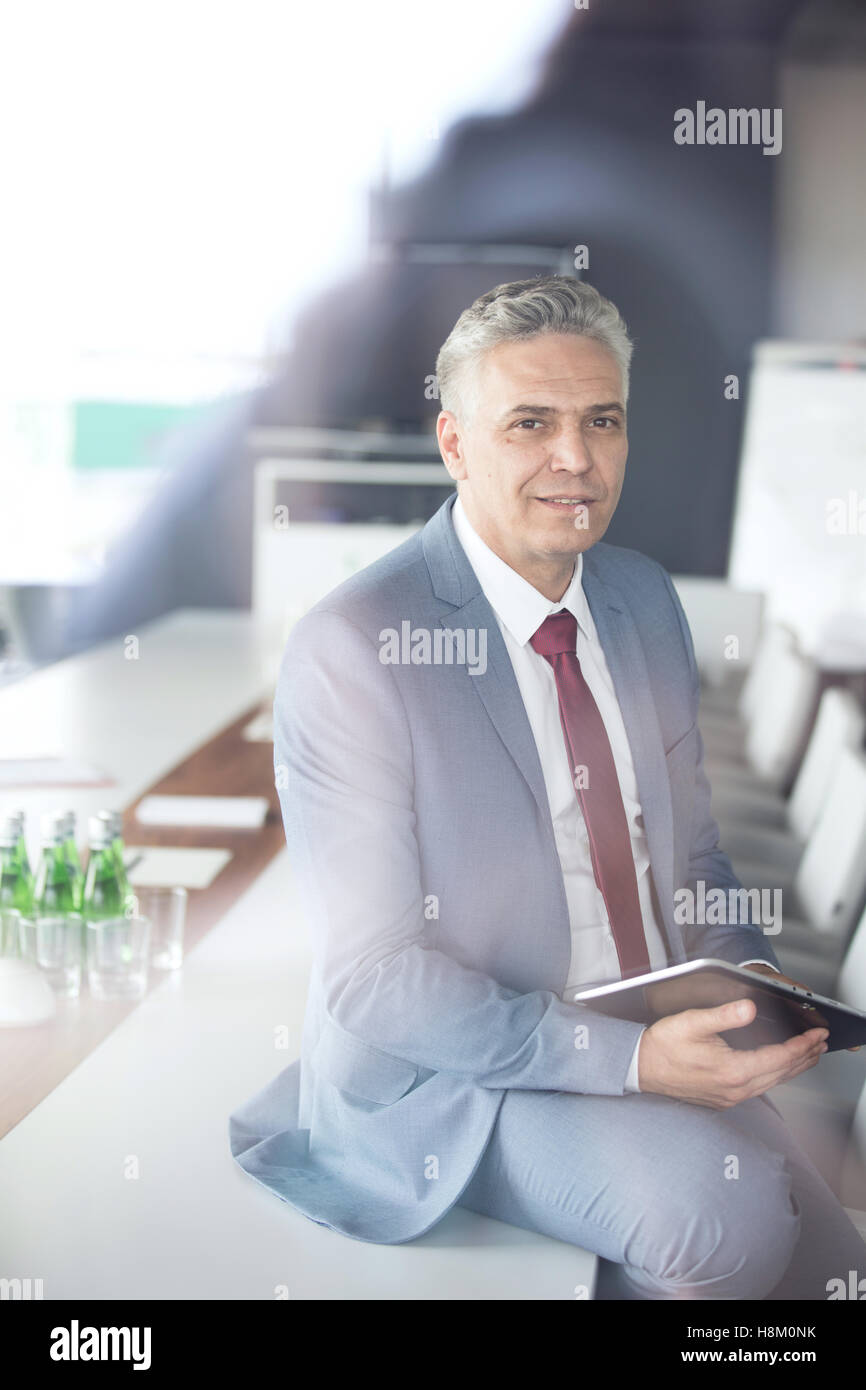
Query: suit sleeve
{"x": 344, "y": 771}
{"x": 737, "y": 942}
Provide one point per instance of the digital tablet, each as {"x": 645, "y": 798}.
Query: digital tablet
{"x": 783, "y": 1010}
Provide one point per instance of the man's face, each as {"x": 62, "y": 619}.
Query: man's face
{"x": 548, "y": 423}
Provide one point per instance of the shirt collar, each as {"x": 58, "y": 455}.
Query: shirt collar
{"x": 520, "y": 606}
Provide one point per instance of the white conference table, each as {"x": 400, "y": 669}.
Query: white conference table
{"x": 157, "y": 1092}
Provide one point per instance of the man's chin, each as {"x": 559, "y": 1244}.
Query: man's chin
{"x": 573, "y": 532}
{"x": 566, "y": 540}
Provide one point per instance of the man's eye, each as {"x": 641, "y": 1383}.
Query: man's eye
{"x": 606, "y": 420}
{"x": 528, "y": 421}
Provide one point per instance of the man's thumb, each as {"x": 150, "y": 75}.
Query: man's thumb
{"x": 734, "y": 1015}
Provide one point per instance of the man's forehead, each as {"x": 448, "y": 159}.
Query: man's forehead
{"x": 549, "y": 363}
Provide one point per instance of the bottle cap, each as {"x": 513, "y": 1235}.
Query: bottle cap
{"x": 99, "y": 832}
{"x": 53, "y": 825}
{"x": 10, "y": 829}
{"x": 114, "y": 819}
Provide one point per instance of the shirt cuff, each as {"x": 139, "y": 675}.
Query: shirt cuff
{"x": 759, "y": 960}
{"x": 631, "y": 1083}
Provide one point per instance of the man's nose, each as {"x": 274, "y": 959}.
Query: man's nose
{"x": 571, "y": 452}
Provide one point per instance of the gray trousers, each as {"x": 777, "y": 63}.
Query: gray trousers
{"x": 679, "y": 1200}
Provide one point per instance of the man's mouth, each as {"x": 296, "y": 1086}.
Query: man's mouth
{"x": 566, "y": 503}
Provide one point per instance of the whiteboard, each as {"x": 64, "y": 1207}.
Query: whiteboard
{"x": 799, "y": 531}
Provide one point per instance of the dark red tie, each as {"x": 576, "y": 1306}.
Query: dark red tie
{"x": 588, "y": 746}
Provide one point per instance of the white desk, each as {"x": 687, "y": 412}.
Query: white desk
{"x": 193, "y": 1225}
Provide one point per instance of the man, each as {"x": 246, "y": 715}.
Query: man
{"x": 491, "y": 781}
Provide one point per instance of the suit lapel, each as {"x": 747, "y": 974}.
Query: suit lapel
{"x": 456, "y": 583}
{"x": 498, "y": 690}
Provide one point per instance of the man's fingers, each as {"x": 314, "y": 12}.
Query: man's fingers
{"x": 804, "y": 1064}
{"x": 775, "y": 1062}
{"x": 784, "y": 1070}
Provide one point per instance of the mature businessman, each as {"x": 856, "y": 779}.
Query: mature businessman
{"x": 491, "y": 780}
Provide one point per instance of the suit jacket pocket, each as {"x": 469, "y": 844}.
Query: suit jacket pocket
{"x": 683, "y": 742}
{"x": 680, "y": 760}
{"x": 354, "y": 1066}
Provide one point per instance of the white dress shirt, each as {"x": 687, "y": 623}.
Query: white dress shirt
{"x": 520, "y": 610}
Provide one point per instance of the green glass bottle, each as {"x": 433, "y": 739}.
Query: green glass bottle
{"x": 16, "y": 878}
{"x": 16, "y": 881}
{"x": 55, "y": 890}
{"x": 105, "y": 888}
{"x": 114, "y": 820}
{"x": 70, "y": 846}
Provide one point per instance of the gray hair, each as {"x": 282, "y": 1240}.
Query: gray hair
{"x": 524, "y": 309}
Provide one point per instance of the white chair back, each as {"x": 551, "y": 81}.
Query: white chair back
{"x": 858, "y": 1137}
{"x": 775, "y": 637}
{"x": 841, "y": 723}
{"x": 831, "y": 879}
{"x": 716, "y": 613}
{"x": 851, "y": 988}
{"x": 781, "y": 716}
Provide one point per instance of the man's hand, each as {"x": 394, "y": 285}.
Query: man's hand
{"x": 761, "y": 969}
{"x": 683, "y": 1056}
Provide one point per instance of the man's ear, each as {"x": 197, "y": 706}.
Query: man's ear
{"x": 449, "y": 436}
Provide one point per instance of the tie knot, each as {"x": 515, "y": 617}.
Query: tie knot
{"x": 558, "y": 633}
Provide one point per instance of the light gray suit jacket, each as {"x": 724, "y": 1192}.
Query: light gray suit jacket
{"x": 420, "y": 833}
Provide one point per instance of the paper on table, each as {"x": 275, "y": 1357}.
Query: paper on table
{"x": 160, "y": 866}
{"x": 233, "y": 812}
{"x": 51, "y": 772}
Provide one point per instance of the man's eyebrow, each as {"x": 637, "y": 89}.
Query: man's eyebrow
{"x": 597, "y": 409}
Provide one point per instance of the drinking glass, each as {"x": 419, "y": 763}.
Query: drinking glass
{"x": 165, "y": 909}
{"x": 117, "y": 950}
{"x": 11, "y": 943}
{"x": 53, "y": 942}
